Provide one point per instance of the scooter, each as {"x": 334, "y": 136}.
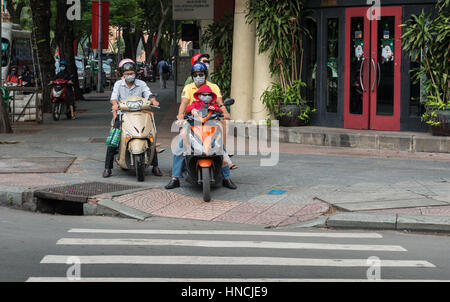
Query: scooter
{"x": 138, "y": 136}
{"x": 204, "y": 161}
{"x": 58, "y": 94}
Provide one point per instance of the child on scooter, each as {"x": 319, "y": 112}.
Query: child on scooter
{"x": 204, "y": 98}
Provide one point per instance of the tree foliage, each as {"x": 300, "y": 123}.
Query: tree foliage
{"x": 141, "y": 17}
{"x": 280, "y": 31}
{"x": 219, "y": 37}
{"x": 427, "y": 39}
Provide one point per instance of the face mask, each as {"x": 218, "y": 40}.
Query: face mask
{"x": 205, "y": 99}
{"x": 130, "y": 78}
{"x": 199, "y": 80}
{"x": 63, "y": 68}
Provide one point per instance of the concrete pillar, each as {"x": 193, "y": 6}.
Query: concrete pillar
{"x": 243, "y": 60}
{"x": 261, "y": 81}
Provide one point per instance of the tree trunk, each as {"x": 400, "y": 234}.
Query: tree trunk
{"x": 131, "y": 42}
{"x": 65, "y": 38}
{"x": 164, "y": 12}
{"x": 5, "y": 125}
{"x": 41, "y": 27}
{"x": 148, "y": 47}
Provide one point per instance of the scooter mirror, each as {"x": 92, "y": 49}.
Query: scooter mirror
{"x": 228, "y": 102}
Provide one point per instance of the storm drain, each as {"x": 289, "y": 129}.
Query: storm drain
{"x": 69, "y": 199}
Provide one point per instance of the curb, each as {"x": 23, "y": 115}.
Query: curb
{"x": 109, "y": 207}
{"x": 397, "y": 222}
{"x": 23, "y": 198}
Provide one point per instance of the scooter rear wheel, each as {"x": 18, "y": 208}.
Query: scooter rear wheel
{"x": 206, "y": 184}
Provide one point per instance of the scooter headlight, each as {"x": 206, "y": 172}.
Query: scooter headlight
{"x": 135, "y": 106}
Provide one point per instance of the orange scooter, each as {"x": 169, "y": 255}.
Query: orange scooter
{"x": 204, "y": 161}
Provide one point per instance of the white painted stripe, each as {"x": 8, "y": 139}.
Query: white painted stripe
{"x": 227, "y": 280}
{"x": 240, "y": 233}
{"x": 231, "y": 244}
{"x": 246, "y": 261}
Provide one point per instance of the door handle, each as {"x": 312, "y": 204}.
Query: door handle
{"x": 375, "y": 74}
{"x": 360, "y": 75}
{"x": 379, "y": 74}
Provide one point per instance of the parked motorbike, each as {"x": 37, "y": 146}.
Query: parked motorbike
{"x": 58, "y": 95}
{"x": 138, "y": 136}
{"x": 204, "y": 161}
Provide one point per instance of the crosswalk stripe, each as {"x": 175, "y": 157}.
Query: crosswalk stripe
{"x": 227, "y": 280}
{"x": 241, "y": 233}
{"x": 230, "y": 244}
{"x": 246, "y": 261}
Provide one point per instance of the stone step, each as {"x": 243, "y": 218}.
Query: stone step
{"x": 363, "y": 139}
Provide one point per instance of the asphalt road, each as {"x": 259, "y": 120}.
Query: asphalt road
{"x": 40, "y": 247}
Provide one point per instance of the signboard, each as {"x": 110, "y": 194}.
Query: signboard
{"x": 193, "y": 9}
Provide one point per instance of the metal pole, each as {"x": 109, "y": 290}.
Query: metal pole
{"x": 100, "y": 48}
{"x": 175, "y": 53}
{"x": 118, "y": 46}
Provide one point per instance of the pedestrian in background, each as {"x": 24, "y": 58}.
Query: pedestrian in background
{"x": 154, "y": 68}
{"x": 164, "y": 72}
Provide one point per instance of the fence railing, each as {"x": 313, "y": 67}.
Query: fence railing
{"x": 25, "y": 104}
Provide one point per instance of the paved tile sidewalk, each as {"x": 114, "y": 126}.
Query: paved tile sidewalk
{"x": 168, "y": 204}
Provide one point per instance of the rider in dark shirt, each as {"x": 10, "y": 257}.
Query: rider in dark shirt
{"x": 66, "y": 75}
{"x": 27, "y": 77}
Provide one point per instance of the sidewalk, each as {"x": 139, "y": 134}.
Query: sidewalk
{"x": 311, "y": 185}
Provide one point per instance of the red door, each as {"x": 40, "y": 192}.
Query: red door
{"x": 372, "y": 69}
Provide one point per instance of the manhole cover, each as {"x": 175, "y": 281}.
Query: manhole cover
{"x": 81, "y": 192}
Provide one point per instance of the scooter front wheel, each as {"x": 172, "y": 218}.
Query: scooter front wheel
{"x": 140, "y": 167}
{"x": 56, "y": 111}
{"x": 206, "y": 184}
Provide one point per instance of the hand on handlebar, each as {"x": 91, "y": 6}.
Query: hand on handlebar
{"x": 155, "y": 103}
{"x": 226, "y": 115}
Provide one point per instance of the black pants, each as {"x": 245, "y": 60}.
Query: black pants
{"x": 111, "y": 151}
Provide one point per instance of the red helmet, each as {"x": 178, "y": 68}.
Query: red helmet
{"x": 195, "y": 58}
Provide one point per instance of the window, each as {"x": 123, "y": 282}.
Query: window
{"x": 332, "y": 64}
{"x": 311, "y": 76}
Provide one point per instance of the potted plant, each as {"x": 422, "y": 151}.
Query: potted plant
{"x": 280, "y": 31}
{"x": 289, "y": 107}
{"x": 426, "y": 38}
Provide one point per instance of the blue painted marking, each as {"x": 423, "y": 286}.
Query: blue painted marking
{"x": 276, "y": 192}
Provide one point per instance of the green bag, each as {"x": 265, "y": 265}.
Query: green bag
{"x": 113, "y": 139}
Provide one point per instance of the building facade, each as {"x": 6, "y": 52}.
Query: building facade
{"x": 356, "y": 72}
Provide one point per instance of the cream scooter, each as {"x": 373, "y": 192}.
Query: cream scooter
{"x": 138, "y": 137}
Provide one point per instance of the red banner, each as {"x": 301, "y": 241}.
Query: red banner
{"x": 105, "y": 24}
